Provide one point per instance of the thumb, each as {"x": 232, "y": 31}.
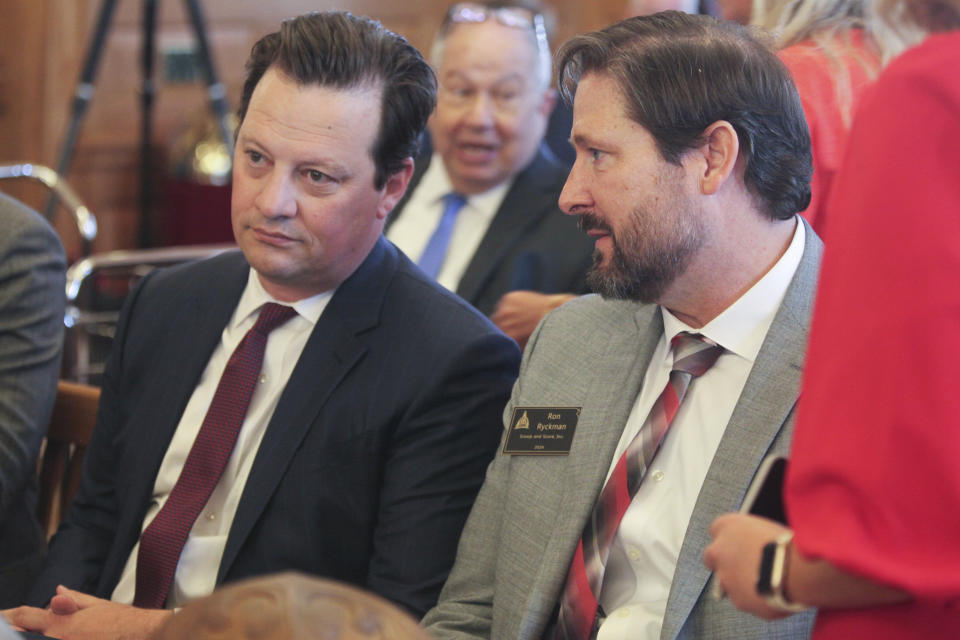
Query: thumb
{"x": 63, "y": 605}
{"x": 76, "y": 599}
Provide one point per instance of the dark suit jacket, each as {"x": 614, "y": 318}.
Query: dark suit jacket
{"x": 370, "y": 463}
{"x": 32, "y": 274}
{"x": 530, "y": 244}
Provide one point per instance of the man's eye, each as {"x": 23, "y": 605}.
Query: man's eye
{"x": 458, "y": 93}
{"x": 316, "y": 176}
{"x": 255, "y": 157}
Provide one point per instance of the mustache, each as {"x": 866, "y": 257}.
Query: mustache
{"x": 590, "y": 221}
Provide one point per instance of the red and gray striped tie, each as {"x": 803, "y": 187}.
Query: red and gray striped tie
{"x": 693, "y": 355}
{"x": 162, "y": 542}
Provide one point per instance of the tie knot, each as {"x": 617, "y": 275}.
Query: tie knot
{"x": 453, "y": 201}
{"x": 272, "y": 315}
{"x": 694, "y": 353}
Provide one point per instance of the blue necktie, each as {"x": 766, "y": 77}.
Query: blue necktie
{"x": 436, "y": 251}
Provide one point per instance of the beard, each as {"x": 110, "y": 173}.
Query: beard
{"x": 644, "y": 263}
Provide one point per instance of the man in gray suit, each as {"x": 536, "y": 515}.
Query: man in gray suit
{"x": 32, "y": 273}
{"x": 693, "y": 158}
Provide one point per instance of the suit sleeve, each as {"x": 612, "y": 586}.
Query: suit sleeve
{"x": 434, "y": 468}
{"x": 32, "y": 274}
{"x": 465, "y": 609}
{"x": 79, "y": 549}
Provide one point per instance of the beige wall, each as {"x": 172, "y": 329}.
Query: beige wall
{"x": 44, "y": 42}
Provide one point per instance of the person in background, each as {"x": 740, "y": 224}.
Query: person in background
{"x": 873, "y": 486}
{"x": 311, "y": 402}
{"x": 834, "y": 50}
{"x": 481, "y": 214}
{"x": 657, "y": 399}
{"x": 646, "y": 7}
{"x": 32, "y": 279}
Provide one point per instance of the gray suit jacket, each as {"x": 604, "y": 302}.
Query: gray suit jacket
{"x": 591, "y": 353}
{"x": 32, "y": 273}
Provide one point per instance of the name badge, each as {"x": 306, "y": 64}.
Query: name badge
{"x": 543, "y": 431}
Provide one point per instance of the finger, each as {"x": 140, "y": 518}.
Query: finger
{"x": 7, "y": 615}
{"x": 82, "y": 599}
{"x": 719, "y": 523}
{"x": 28, "y": 618}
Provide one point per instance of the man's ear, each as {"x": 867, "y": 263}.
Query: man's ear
{"x": 394, "y": 189}
{"x": 720, "y": 148}
{"x": 548, "y": 102}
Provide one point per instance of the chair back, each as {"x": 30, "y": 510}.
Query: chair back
{"x": 96, "y": 289}
{"x": 68, "y": 435}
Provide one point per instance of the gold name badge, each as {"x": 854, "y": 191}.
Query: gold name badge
{"x": 544, "y": 431}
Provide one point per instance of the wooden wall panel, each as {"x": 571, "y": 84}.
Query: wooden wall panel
{"x": 44, "y": 42}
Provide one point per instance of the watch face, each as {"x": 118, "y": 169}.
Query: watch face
{"x": 764, "y": 587}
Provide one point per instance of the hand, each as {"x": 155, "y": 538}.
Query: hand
{"x": 518, "y": 312}
{"x": 734, "y": 558}
{"x": 73, "y": 615}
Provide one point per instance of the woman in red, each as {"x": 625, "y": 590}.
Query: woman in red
{"x": 873, "y": 492}
{"x": 833, "y": 49}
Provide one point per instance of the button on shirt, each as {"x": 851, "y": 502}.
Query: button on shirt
{"x": 644, "y": 553}
{"x": 197, "y": 571}
{"x": 412, "y": 229}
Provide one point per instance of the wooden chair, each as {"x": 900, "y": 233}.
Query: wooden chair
{"x": 69, "y": 433}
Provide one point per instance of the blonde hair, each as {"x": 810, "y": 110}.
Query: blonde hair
{"x": 792, "y": 21}
{"x": 891, "y": 26}
{"x": 829, "y": 25}
{"x": 905, "y": 23}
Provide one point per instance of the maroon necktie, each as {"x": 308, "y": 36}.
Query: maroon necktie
{"x": 693, "y": 355}
{"x": 162, "y": 542}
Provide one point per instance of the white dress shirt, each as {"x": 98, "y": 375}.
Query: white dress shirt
{"x": 644, "y": 552}
{"x": 197, "y": 571}
{"x": 412, "y": 230}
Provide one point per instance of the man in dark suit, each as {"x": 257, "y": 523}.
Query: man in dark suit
{"x": 374, "y": 413}
{"x": 507, "y": 235}
{"x": 32, "y": 273}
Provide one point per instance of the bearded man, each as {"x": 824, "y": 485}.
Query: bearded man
{"x": 643, "y": 412}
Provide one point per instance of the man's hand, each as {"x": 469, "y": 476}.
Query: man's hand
{"x": 518, "y": 312}
{"x": 734, "y": 558}
{"x": 73, "y": 615}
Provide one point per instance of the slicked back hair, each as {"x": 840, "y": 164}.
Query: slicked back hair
{"x": 343, "y": 51}
{"x": 679, "y": 73}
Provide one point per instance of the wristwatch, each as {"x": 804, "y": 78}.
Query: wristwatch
{"x": 773, "y": 574}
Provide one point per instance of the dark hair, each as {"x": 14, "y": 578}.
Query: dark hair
{"x": 679, "y": 73}
{"x": 341, "y": 50}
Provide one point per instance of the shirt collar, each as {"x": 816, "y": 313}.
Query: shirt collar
{"x": 435, "y": 184}
{"x": 255, "y": 296}
{"x": 742, "y": 327}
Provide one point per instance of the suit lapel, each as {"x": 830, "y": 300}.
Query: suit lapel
{"x": 617, "y": 380}
{"x": 354, "y": 308}
{"x": 531, "y": 197}
{"x": 763, "y": 410}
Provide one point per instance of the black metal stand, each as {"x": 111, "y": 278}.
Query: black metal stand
{"x": 85, "y": 89}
